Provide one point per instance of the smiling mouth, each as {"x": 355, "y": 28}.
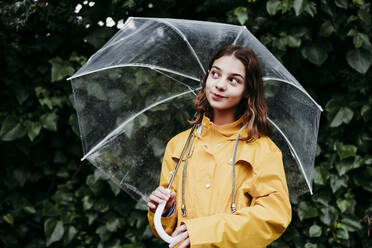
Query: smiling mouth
{"x": 217, "y": 96}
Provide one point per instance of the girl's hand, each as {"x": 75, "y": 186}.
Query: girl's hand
{"x": 182, "y": 235}
{"x": 160, "y": 194}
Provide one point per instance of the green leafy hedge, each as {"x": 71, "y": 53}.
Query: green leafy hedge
{"x": 49, "y": 198}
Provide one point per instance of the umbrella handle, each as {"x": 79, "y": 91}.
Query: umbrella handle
{"x": 158, "y": 226}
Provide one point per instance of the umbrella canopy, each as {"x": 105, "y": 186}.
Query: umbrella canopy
{"x": 136, "y": 92}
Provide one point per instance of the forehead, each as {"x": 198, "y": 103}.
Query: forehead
{"x": 230, "y": 64}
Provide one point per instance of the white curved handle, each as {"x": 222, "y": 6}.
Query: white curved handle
{"x": 158, "y": 226}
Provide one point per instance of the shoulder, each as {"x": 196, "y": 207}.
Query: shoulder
{"x": 178, "y": 141}
{"x": 263, "y": 152}
{"x": 265, "y": 145}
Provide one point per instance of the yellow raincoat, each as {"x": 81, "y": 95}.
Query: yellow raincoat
{"x": 262, "y": 201}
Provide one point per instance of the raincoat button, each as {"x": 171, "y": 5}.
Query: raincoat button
{"x": 207, "y": 185}
{"x": 218, "y": 145}
{"x": 231, "y": 160}
{"x": 205, "y": 146}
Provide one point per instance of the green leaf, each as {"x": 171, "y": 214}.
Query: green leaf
{"x": 364, "y": 14}
{"x": 342, "y": 233}
{"x": 69, "y": 235}
{"x": 114, "y": 188}
{"x": 22, "y": 94}
{"x": 333, "y": 105}
{"x": 53, "y": 231}
{"x": 103, "y": 233}
{"x": 316, "y": 54}
{"x": 310, "y": 245}
{"x": 358, "y": 2}
{"x": 360, "y": 39}
{"x": 363, "y": 178}
{"x": 345, "y": 151}
{"x": 272, "y": 7}
{"x": 99, "y": 175}
{"x": 351, "y": 224}
{"x": 341, "y": 3}
{"x": 359, "y": 59}
{"x": 29, "y": 209}
{"x": 351, "y": 19}
{"x": 91, "y": 217}
{"x": 321, "y": 173}
{"x": 113, "y": 224}
{"x": 326, "y": 29}
{"x": 11, "y": 129}
{"x": 311, "y": 9}
{"x": 352, "y": 32}
{"x": 366, "y": 112}
{"x": 242, "y": 15}
{"x": 322, "y": 197}
{"x": 344, "y": 166}
{"x": 344, "y": 115}
{"x": 33, "y": 129}
{"x": 306, "y": 211}
{"x": 87, "y": 202}
{"x": 329, "y": 215}
{"x": 60, "y": 69}
{"x": 101, "y": 206}
{"x": 315, "y": 231}
{"x": 9, "y": 219}
{"x": 337, "y": 183}
{"x": 49, "y": 121}
{"x": 299, "y": 6}
{"x": 293, "y": 41}
{"x": 343, "y": 204}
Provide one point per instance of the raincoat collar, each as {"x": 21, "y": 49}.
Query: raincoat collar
{"x": 229, "y": 131}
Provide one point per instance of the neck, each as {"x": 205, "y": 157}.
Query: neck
{"x": 222, "y": 117}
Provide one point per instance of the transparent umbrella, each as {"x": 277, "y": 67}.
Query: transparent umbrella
{"x": 136, "y": 92}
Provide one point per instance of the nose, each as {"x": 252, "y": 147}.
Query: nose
{"x": 221, "y": 84}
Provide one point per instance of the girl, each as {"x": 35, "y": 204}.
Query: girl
{"x": 231, "y": 189}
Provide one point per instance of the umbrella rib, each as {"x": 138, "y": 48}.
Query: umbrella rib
{"x": 294, "y": 85}
{"x": 134, "y": 65}
{"x": 294, "y": 154}
{"x": 237, "y": 37}
{"x": 117, "y": 130}
{"x": 186, "y": 40}
{"x": 178, "y": 81}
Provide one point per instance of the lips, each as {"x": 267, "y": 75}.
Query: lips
{"x": 216, "y": 96}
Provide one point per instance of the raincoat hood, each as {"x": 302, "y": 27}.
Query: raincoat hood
{"x": 228, "y": 131}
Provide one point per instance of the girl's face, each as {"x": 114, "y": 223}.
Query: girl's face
{"x": 225, "y": 84}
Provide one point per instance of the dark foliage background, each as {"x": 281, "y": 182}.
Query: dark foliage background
{"x": 49, "y": 198}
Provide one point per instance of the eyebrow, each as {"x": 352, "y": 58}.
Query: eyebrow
{"x": 234, "y": 74}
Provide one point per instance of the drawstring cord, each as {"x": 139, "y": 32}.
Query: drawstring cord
{"x": 184, "y": 177}
{"x": 189, "y": 145}
{"x": 233, "y": 207}
{"x": 179, "y": 161}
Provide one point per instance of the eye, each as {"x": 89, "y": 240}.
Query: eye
{"x": 214, "y": 74}
{"x": 234, "y": 81}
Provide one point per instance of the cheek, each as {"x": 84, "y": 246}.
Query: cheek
{"x": 208, "y": 85}
{"x": 237, "y": 92}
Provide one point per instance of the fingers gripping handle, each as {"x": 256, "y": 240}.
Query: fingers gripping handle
{"x": 158, "y": 226}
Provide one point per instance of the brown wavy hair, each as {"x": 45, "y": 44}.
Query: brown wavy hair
{"x": 254, "y": 107}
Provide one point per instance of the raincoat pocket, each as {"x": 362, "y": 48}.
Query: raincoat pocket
{"x": 177, "y": 154}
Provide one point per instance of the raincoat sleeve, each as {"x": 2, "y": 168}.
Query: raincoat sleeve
{"x": 169, "y": 223}
{"x": 256, "y": 225}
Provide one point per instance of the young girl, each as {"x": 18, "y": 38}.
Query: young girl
{"x": 230, "y": 190}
